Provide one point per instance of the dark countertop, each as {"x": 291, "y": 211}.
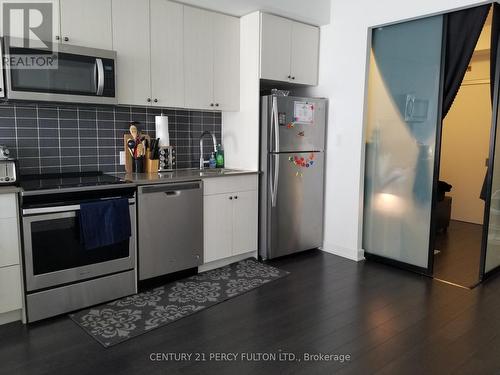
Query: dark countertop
{"x": 180, "y": 175}
{"x": 135, "y": 179}
{"x": 9, "y": 189}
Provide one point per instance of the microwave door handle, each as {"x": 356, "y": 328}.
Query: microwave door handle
{"x": 100, "y": 77}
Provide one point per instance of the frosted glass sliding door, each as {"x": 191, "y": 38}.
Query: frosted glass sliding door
{"x": 403, "y": 114}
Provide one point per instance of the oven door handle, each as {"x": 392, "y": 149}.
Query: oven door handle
{"x": 49, "y": 210}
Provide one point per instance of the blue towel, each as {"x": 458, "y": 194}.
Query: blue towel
{"x": 104, "y": 223}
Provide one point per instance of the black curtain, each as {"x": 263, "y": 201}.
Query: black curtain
{"x": 495, "y": 32}
{"x": 463, "y": 29}
{"x": 462, "y": 33}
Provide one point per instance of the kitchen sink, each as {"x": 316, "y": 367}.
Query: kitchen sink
{"x": 210, "y": 172}
{"x": 216, "y": 172}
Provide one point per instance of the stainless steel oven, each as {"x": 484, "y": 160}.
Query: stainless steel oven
{"x": 70, "y": 74}
{"x": 2, "y": 86}
{"x": 60, "y": 274}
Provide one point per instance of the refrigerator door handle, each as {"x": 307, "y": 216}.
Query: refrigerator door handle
{"x": 275, "y": 124}
{"x": 274, "y": 182}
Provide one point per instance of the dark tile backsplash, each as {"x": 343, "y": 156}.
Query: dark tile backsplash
{"x": 48, "y": 138}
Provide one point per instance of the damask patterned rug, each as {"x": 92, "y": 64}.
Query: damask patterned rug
{"x": 128, "y": 317}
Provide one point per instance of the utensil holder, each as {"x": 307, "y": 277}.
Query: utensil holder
{"x": 152, "y": 165}
{"x": 138, "y": 165}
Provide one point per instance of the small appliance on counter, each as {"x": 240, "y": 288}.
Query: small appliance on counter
{"x": 8, "y": 167}
{"x": 167, "y": 158}
{"x": 166, "y": 152}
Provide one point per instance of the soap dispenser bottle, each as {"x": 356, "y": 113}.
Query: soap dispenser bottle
{"x": 219, "y": 156}
{"x": 211, "y": 162}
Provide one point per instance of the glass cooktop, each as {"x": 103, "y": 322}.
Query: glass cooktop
{"x": 67, "y": 180}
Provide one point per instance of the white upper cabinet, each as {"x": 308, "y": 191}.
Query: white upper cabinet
{"x": 275, "y": 39}
{"x": 131, "y": 42}
{"x": 305, "y": 54}
{"x": 198, "y": 58}
{"x": 211, "y": 60}
{"x": 289, "y": 50}
{"x": 167, "y": 52}
{"x": 19, "y": 32}
{"x": 86, "y": 23}
{"x": 226, "y": 62}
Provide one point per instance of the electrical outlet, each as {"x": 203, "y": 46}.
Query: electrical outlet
{"x": 122, "y": 157}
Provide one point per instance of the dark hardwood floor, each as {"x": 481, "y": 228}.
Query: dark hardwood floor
{"x": 460, "y": 253}
{"x": 390, "y": 321}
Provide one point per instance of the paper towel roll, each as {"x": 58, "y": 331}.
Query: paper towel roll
{"x": 161, "y": 127}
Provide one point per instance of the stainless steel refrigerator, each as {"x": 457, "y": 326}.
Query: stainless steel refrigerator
{"x": 292, "y": 182}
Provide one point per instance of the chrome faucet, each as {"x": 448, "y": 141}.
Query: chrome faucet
{"x": 202, "y": 160}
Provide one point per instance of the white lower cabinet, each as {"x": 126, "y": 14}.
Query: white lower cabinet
{"x": 230, "y": 216}
{"x": 218, "y": 227}
{"x": 10, "y": 289}
{"x": 245, "y": 217}
{"x": 9, "y": 246}
{"x": 11, "y": 292}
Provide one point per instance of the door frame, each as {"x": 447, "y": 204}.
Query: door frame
{"x": 437, "y": 153}
{"x": 489, "y": 175}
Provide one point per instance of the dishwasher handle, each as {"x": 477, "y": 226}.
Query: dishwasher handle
{"x": 170, "y": 189}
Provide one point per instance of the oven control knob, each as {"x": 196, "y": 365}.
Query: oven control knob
{"x": 7, "y": 179}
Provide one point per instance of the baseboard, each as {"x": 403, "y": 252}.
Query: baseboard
{"x": 352, "y": 254}
{"x": 10, "y": 316}
{"x": 226, "y": 261}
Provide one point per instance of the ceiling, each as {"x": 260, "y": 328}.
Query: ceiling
{"x": 300, "y": 10}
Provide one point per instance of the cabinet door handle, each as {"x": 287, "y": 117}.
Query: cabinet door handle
{"x": 230, "y": 198}
{"x": 293, "y": 77}
{"x": 289, "y": 77}
{"x": 216, "y": 104}
{"x": 58, "y": 37}
{"x": 235, "y": 197}
{"x": 156, "y": 100}
{"x": 148, "y": 100}
{"x": 66, "y": 39}
{"x": 211, "y": 104}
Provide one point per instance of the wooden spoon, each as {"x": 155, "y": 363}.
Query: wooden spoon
{"x": 131, "y": 146}
{"x": 133, "y": 131}
{"x": 140, "y": 149}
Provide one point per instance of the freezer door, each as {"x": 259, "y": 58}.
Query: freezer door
{"x": 296, "y": 124}
{"x": 295, "y": 202}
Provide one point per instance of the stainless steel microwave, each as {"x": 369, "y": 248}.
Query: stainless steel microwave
{"x": 70, "y": 74}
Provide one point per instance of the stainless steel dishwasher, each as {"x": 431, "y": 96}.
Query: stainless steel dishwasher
{"x": 170, "y": 221}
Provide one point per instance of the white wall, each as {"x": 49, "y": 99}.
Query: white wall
{"x": 343, "y": 69}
